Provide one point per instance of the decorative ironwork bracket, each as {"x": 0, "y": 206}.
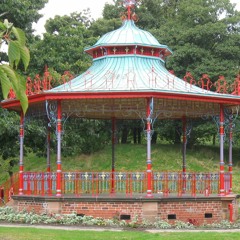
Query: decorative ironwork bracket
{"x": 229, "y": 121}
{"x": 51, "y": 110}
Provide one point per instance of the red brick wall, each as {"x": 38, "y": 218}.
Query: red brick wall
{"x": 103, "y": 209}
{"x": 185, "y": 210}
{"x": 192, "y": 210}
{"x": 30, "y": 206}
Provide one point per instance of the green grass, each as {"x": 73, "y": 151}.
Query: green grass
{"x": 130, "y": 157}
{"x": 9, "y": 233}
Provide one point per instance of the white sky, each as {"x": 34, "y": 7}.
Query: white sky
{"x": 65, "y": 7}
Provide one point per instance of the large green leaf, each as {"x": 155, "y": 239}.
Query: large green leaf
{"x": 22, "y": 93}
{"x": 12, "y": 76}
{"x": 2, "y": 26}
{"x": 1, "y": 35}
{"x": 14, "y": 53}
{"x": 18, "y": 85}
{"x": 25, "y": 56}
{"x": 20, "y": 35}
{"x": 7, "y": 24}
{"x": 5, "y": 82}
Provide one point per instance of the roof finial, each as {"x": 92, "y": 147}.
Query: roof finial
{"x": 129, "y": 4}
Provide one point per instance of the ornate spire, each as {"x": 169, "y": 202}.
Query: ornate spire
{"x": 129, "y": 5}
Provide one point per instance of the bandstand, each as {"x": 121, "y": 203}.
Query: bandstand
{"x": 128, "y": 80}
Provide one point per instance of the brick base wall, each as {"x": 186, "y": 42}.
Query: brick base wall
{"x": 197, "y": 211}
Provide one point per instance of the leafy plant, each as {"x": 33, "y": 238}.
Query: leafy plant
{"x": 15, "y": 39}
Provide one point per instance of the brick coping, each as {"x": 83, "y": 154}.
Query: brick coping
{"x": 123, "y": 198}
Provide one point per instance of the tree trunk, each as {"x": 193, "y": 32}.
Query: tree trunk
{"x": 214, "y": 139}
{"x": 177, "y": 136}
{"x": 124, "y": 135}
{"x": 154, "y": 138}
{"x": 139, "y": 135}
{"x": 134, "y": 135}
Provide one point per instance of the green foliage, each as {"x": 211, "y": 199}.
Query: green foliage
{"x": 9, "y": 146}
{"x": 8, "y": 214}
{"x": 83, "y": 136}
{"x": 17, "y": 51}
{"x": 62, "y": 47}
{"x": 203, "y": 34}
{"x": 22, "y": 13}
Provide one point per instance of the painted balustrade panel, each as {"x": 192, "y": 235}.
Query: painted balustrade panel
{"x": 39, "y": 183}
{"x": 8, "y": 189}
{"x": 96, "y": 183}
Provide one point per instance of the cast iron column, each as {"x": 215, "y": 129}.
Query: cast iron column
{"x": 113, "y": 153}
{"x": 230, "y": 155}
{"x": 59, "y": 163}
{"x": 21, "y": 165}
{"x": 221, "y": 132}
{"x": 149, "y": 161}
{"x": 48, "y": 147}
{"x": 49, "y": 159}
{"x": 184, "y": 147}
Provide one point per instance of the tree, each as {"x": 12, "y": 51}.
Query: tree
{"x": 204, "y": 35}
{"x": 62, "y": 47}
{"x": 22, "y": 13}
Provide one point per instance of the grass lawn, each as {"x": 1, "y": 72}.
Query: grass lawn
{"x": 10, "y": 233}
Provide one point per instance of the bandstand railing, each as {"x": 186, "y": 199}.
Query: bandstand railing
{"x": 164, "y": 184}
{"x": 127, "y": 183}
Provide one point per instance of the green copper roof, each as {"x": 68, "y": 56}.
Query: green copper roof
{"x": 128, "y": 34}
{"x": 130, "y": 72}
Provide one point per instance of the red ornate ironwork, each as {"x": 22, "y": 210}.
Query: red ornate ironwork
{"x": 66, "y": 78}
{"x": 109, "y": 79}
{"x": 153, "y": 76}
{"x": 47, "y": 79}
{"x": 128, "y": 183}
{"x": 130, "y": 14}
{"x": 221, "y": 85}
{"x": 188, "y": 78}
{"x": 236, "y": 86}
{"x": 205, "y": 82}
{"x": 44, "y": 83}
{"x": 11, "y": 94}
{"x": 88, "y": 76}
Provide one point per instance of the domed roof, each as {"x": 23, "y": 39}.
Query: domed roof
{"x": 128, "y": 34}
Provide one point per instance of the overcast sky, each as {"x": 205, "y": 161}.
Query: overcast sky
{"x": 65, "y": 7}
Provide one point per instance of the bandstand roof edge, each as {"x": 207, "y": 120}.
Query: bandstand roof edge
{"x": 129, "y": 105}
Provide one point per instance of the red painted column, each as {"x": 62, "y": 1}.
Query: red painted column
{"x": 59, "y": 162}
{"x": 184, "y": 147}
{"x": 113, "y": 154}
{"x": 48, "y": 148}
{"x": 149, "y": 161}
{"x": 21, "y": 165}
{"x": 49, "y": 159}
{"x": 221, "y": 133}
{"x": 230, "y": 164}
